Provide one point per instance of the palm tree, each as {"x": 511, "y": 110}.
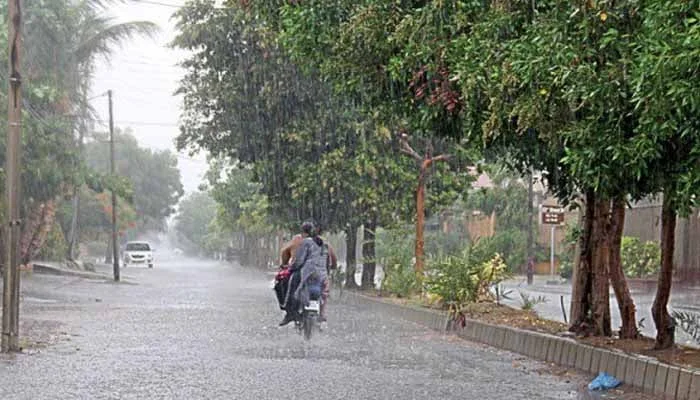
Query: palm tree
{"x": 97, "y": 36}
{"x": 63, "y": 41}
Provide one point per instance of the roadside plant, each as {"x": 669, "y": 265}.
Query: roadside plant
{"x": 689, "y": 323}
{"x": 399, "y": 278}
{"x": 529, "y": 302}
{"x": 467, "y": 277}
{"x": 395, "y": 255}
{"x": 639, "y": 259}
{"x": 566, "y": 269}
{"x": 502, "y": 293}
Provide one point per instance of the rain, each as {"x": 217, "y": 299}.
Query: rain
{"x": 275, "y": 199}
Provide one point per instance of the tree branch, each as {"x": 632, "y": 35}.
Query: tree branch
{"x": 408, "y": 150}
{"x": 442, "y": 157}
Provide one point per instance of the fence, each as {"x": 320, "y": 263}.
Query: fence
{"x": 642, "y": 221}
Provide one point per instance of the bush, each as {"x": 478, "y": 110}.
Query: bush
{"x": 566, "y": 269}
{"x": 400, "y": 279}
{"x": 640, "y": 259}
{"x": 438, "y": 243}
{"x": 395, "y": 255}
{"x": 511, "y": 245}
{"x": 466, "y": 278}
{"x": 55, "y": 247}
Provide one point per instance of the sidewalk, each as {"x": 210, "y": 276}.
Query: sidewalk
{"x": 101, "y": 272}
{"x": 681, "y": 299}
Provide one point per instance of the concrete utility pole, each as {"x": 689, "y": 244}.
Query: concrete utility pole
{"x": 10, "y": 303}
{"x": 115, "y": 248}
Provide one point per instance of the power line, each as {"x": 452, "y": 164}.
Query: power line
{"x": 141, "y": 123}
{"x": 150, "y": 64}
{"x": 122, "y": 83}
{"x": 158, "y": 3}
{"x": 97, "y": 96}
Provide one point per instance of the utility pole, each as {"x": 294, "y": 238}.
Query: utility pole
{"x": 115, "y": 249}
{"x": 10, "y": 303}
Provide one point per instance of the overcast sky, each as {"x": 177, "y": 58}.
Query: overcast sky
{"x": 143, "y": 75}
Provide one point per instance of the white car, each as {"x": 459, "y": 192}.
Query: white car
{"x": 138, "y": 253}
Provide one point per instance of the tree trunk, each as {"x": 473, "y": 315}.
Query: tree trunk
{"x": 617, "y": 275}
{"x": 351, "y": 257}
{"x": 30, "y": 229}
{"x": 590, "y": 299}
{"x": 601, "y": 282}
{"x": 581, "y": 301}
{"x": 73, "y": 237}
{"x": 530, "y": 224}
{"x": 368, "y": 256}
{"x": 684, "y": 267}
{"x": 34, "y": 235}
{"x": 73, "y": 234}
{"x": 420, "y": 225}
{"x": 665, "y": 326}
{"x": 108, "y": 254}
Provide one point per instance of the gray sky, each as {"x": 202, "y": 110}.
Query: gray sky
{"x": 143, "y": 76}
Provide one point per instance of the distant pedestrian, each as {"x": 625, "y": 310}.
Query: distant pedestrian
{"x": 530, "y": 270}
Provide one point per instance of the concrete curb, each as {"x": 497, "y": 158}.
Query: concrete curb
{"x": 644, "y": 373}
{"x": 44, "y": 269}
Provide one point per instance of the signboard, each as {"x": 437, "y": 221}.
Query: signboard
{"x": 552, "y": 215}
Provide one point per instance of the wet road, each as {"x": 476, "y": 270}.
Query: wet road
{"x": 208, "y": 331}
{"x": 681, "y": 300}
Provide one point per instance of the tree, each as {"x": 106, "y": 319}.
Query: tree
{"x": 96, "y": 36}
{"x": 315, "y": 153}
{"x": 346, "y": 43}
{"x": 196, "y": 212}
{"x": 424, "y": 163}
{"x": 667, "y": 97}
{"x": 243, "y": 210}
{"x": 153, "y": 175}
{"x": 509, "y": 201}
{"x": 547, "y": 83}
{"x": 55, "y": 79}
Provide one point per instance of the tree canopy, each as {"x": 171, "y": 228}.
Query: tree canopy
{"x": 153, "y": 176}
{"x": 319, "y": 98}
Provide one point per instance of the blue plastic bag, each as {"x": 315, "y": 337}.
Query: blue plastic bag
{"x": 604, "y": 382}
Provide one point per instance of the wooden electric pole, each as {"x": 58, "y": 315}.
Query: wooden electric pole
{"x": 115, "y": 248}
{"x": 10, "y": 303}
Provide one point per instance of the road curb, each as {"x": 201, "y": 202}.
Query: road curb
{"x": 44, "y": 269}
{"x": 645, "y": 374}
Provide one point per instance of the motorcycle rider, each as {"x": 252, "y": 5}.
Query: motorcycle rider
{"x": 331, "y": 264}
{"x": 287, "y": 256}
{"x": 309, "y": 266}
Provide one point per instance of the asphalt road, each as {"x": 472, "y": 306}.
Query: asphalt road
{"x": 681, "y": 300}
{"x": 202, "y": 330}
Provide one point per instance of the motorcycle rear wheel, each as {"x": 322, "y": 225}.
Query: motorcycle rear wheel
{"x": 308, "y": 325}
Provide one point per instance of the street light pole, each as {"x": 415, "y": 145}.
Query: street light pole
{"x": 10, "y": 303}
{"x": 115, "y": 249}
{"x": 551, "y": 252}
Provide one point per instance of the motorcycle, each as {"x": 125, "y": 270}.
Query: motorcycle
{"x": 311, "y": 311}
